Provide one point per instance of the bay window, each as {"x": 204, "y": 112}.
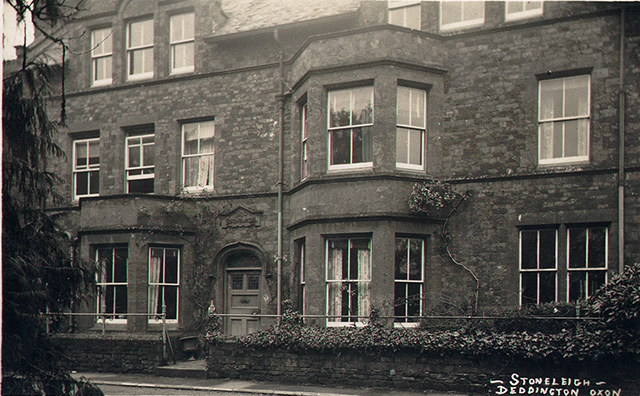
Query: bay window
{"x": 411, "y": 124}
{"x": 164, "y": 282}
{"x": 112, "y": 283}
{"x": 348, "y": 265}
{"x": 350, "y": 125}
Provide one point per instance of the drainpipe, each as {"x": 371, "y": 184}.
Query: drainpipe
{"x": 280, "y": 99}
{"x": 621, "y": 138}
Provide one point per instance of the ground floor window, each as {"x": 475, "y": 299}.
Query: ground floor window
{"x": 112, "y": 282}
{"x": 542, "y": 268}
{"x": 348, "y": 266}
{"x": 409, "y": 279}
{"x": 164, "y": 282}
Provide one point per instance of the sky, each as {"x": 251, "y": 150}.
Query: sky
{"x": 11, "y": 34}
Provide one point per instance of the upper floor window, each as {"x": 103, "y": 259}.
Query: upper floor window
{"x": 563, "y": 117}
{"x": 101, "y": 56}
{"x": 164, "y": 282}
{"x": 587, "y": 256}
{"x": 304, "y": 133}
{"x": 182, "y": 43}
{"x": 409, "y": 280}
{"x": 86, "y": 168}
{"x": 140, "y": 164}
{"x": 522, "y": 9}
{"x": 538, "y": 266}
{"x": 405, "y": 13}
{"x": 350, "y": 128}
{"x": 112, "y": 282}
{"x": 198, "y": 155}
{"x": 348, "y": 280}
{"x": 140, "y": 49}
{"x": 457, "y": 14}
{"x": 411, "y": 125}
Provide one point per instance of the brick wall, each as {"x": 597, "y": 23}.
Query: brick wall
{"x": 113, "y": 353}
{"x": 414, "y": 370}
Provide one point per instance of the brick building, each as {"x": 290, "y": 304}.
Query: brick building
{"x": 246, "y": 152}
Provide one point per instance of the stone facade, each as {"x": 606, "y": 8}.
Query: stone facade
{"x": 481, "y": 133}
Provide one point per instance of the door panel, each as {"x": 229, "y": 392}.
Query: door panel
{"x": 243, "y": 297}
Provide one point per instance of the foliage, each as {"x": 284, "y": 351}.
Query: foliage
{"x": 435, "y": 198}
{"x": 535, "y": 332}
{"x": 39, "y": 275}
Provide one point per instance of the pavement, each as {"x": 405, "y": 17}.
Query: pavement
{"x": 243, "y": 387}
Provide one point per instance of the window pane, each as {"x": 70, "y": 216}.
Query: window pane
{"x": 415, "y": 259}
{"x": 576, "y": 96}
{"x": 403, "y": 106}
{"x": 558, "y": 139}
{"x": 415, "y": 147}
{"x": 533, "y": 5}
{"x": 171, "y": 266}
{"x": 529, "y": 288}
{"x": 551, "y": 99}
{"x": 547, "y": 257}
{"x": 340, "y": 108}
{"x": 149, "y": 155}
{"x": 546, "y": 140}
{"x": 141, "y": 33}
{"x": 577, "y": 248}
{"x": 338, "y": 252}
{"x": 402, "y": 145}
{"x": 473, "y": 10}
{"x": 82, "y": 183}
{"x": 514, "y": 6}
{"x": 134, "y": 156}
{"x": 451, "y": 12}
{"x": 94, "y": 182}
{"x": 571, "y": 138}
{"x": 183, "y": 55}
{"x": 577, "y": 285}
{"x": 94, "y": 152}
{"x": 596, "y": 281}
{"x": 597, "y": 248}
{"x": 418, "y": 116}
{"x": 400, "y": 299}
{"x": 547, "y": 287}
{"x": 237, "y": 281}
{"x": 413, "y": 17}
{"x": 396, "y": 16}
{"x": 253, "y": 282}
{"x": 529, "y": 249}
{"x": 120, "y": 266}
{"x": 414, "y": 297}
{"x": 171, "y": 301}
{"x": 401, "y": 262}
{"x": 182, "y": 27}
{"x": 341, "y": 147}
{"x": 144, "y": 186}
{"x": 362, "y": 106}
{"x": 81, "y": 154}
{"x": 190, "y": 143}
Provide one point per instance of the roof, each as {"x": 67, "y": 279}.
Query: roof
{"x": 247, "y": 15}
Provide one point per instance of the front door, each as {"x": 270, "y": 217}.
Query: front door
{"x": 243, "y": 298}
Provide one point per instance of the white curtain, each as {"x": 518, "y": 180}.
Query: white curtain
{"x": 154, "y": 280}
{"x": 334, "y": 273}
{"x": 205, "y": 171}
{"x": 364, "y": 290}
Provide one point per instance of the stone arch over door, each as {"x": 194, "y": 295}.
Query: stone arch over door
{"x": 244, "y": 290}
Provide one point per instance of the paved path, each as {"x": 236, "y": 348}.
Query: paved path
{"x": 140, "y": 384}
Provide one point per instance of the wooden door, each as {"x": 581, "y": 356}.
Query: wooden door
{"x": 243, "y": 297}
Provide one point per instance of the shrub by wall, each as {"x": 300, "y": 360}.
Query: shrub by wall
{"x": 112, "y": 353}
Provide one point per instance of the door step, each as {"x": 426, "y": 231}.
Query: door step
{"x": 189, "y": 369}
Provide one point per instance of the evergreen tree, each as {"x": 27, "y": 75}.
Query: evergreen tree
{"x": 39, "y": 275}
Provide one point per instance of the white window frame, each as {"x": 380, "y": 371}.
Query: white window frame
{"x": 162, "y": 284}
{"x": 88, "y": 168}
{"x": 351, "y": 127}
{"x": 101, "y": 50}
{"x": 134, "y": 49}
{"x": 543, "y": 121}
{"x": 303, "y": 281}
{"x": 538, "y": 271}
{"x": 362, "y": 281}
{"x": 142, "y": 168}
{"x": 304, "y": 147}
{"x": 587, "y": 270}
{"x": 463, "y": 23}
{"x": 181, "y": 42}
{"x": 413, "y": 127}
{"x": 525, "y": 13}
{"x": 405, "y": 322}
{"x": 102, "y": 285}
{"x": 199, "y": 155}
{"x": 405, "y": 6}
